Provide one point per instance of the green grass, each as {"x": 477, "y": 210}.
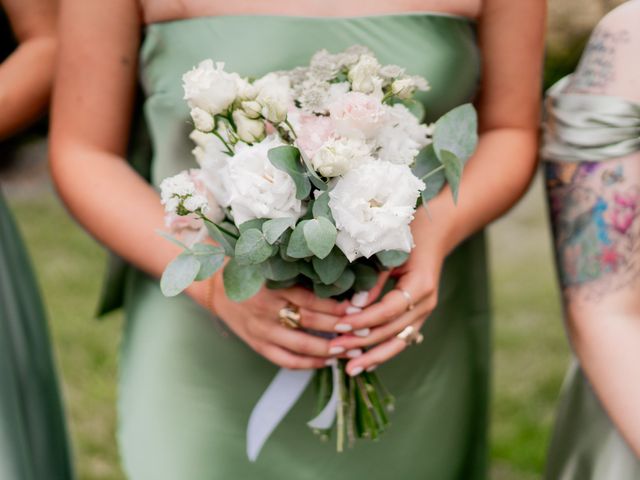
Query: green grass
{"x": 530, "y": 354}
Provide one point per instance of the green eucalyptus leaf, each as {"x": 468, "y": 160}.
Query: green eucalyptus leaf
{"x": 298, "y": 247}
{"x": 172, "y": 239}
{"x": 278, "y": 285}
{"x": 392, "y": 258}
{"x": 415, "y": 107}
{"x": 252, "y": 248}
{"x": 452, "y": 171}
{"x": 320, "y": 235}
{"x": 366, "y": 277}
{"x": 331, "y": 267}
{"x": 344, "y": 283}
{"x": 306, "y": 269}
{"x": 457, "y": 132}
{"x": 287, "y": 159}
{"x": 241, "y": 282}
{"x": 311, "y": 173}
{"x": 255, "y": 223}
{"x": 211, "y": 258}
{"x": 283, "y": 244}
{"x": 433, "y": 185}
{"x": 179, "y": 274}
{"x": 321, "y": 207}
{"x": 277, "y": 269}
{"x": 274, "y": 228}
{"x": 226, "y": 241}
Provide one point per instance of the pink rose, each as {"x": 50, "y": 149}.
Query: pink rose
{"x": 356, "y": 114}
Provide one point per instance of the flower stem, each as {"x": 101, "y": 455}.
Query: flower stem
{"x": 222, "y": 229}
{"x": 293, "y": 132}
{"x": 229, "y": 149}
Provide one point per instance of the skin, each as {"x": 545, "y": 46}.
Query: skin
{"x": 595, "y": 217}
{"x": 89, "y": 136}
{"x": 26, "y": 76}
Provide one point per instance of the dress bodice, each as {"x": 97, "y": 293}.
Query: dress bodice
{"x": 442, "y": 48}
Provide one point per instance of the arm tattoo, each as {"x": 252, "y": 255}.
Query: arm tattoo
{"x": 594, "y": 210}
{"x": 597, "y": 66}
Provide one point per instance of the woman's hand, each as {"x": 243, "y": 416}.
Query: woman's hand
{"x": 256, "y": 321}
{"x": 382, "y": 321}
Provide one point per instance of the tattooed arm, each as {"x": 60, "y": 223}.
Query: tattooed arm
{"x": 595, "y": 212}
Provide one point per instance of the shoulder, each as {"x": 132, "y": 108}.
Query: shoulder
{"x": 626, "y": 16}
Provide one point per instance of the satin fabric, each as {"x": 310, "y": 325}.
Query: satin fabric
{"x": 588, "y": 128}
{"x": 586, "y": 444}
{"x": 33, "y": 437}
{"x": 186, "y": 391}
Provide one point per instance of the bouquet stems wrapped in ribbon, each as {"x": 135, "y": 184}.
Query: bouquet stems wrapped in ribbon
{"x": 310, "y": 177}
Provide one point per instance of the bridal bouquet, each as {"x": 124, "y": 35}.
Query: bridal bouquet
{"x": 310, "y": 177}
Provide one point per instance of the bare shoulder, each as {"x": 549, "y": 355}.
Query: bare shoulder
{"x": 626, "y": 15}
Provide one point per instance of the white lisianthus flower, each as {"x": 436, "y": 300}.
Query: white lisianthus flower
{"x": 402, "y": 137}
{"x": 209, "y": 87}
{"x": 246, "y": 90}
{"x": 274, "y": 95}
{"x": 202, "y": 120}
{"x": 364, "y": 74}
{"x": 373, "y": 206}
{"x": 405, "y": 87}
{"x": 249, "y": 130}
{"x": 180, "y": 195}
{"x": 356, "y": 114}
{"x": 251, "y": 108}
{"x": 257, "y": 189}
{"x": 339, "y": 155}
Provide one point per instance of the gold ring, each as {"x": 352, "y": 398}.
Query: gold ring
{"x": 408, "y": 298}
{"x": 289, "y": 316}
{"x": 410, "y": 336}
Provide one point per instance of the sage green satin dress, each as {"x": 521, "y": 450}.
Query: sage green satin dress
{"x": 186, "y": 391}
{"x": 33, "y": 437}
{"x": 586, "y": 444}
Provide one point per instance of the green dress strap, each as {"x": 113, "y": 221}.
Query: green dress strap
{"x": 582, "y": 127}
{"x": 33, "y": 437}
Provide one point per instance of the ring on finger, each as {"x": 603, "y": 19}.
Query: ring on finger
{"x": 410, "y": 335}
{"x": 407, "y": 296}
{"x": 289, "y": 316}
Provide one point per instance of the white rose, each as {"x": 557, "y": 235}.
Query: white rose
{"x": 402, "y": 137}
{"x": 364, "y": 74}
{"x": 256, "y": 188}
{"x": 355, "y": 114}
{"x": 249, "y": 130}
{"x": 405, "y": 87}
{"x": 373, "y": 206}
{"x": 209, "y": 87}
{"x": 339, "y": 155}
{"x": 275, "y": 97}
{"x": 251, "y": 108}
{"x": 202, "y": 120}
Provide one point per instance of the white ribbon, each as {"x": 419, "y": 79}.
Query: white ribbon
{"x": 276, "y": 401}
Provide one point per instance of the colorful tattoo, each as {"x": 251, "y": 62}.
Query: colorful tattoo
{"x": 594, "y": 211}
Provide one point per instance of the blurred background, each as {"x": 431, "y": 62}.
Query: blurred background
{"x": 530, "y": 349}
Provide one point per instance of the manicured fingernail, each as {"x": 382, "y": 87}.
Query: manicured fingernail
{"x": 360, "y": 299}
{"x": 352, "y": 310}
{"x": 337, "y": 350}
{"x": 343, "y": 327}
{"x": 372, "y": 368}
{"x": 330, "y": 362}
{"x": 363, "y": 332}
{"x": 356, "y": 352}
{"x": 355, "y": 371}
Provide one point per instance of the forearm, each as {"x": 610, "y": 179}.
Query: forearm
{"x": 606, "y": 338}
{"x": 116, "y": 206}
{"x": 493, "y": 180}
{"x": 25, "y": 84}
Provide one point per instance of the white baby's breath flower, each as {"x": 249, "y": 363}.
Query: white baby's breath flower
{"x": 373, "y": 206}
{"x": 324, "y": 66}
{"x": 402, "y": 136}
{"x": 202, "y": 120}
{"x": 179, "y": 195}
{"x": 339, "y": 155}
{"x": 364, "y": 75}
{"x": 209, "y": 87}
{"x": 249, "y": 130}
{"x": 391, "y": 72}
{"x": 274, "y": 95}
{"x": 256, "y": 188}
